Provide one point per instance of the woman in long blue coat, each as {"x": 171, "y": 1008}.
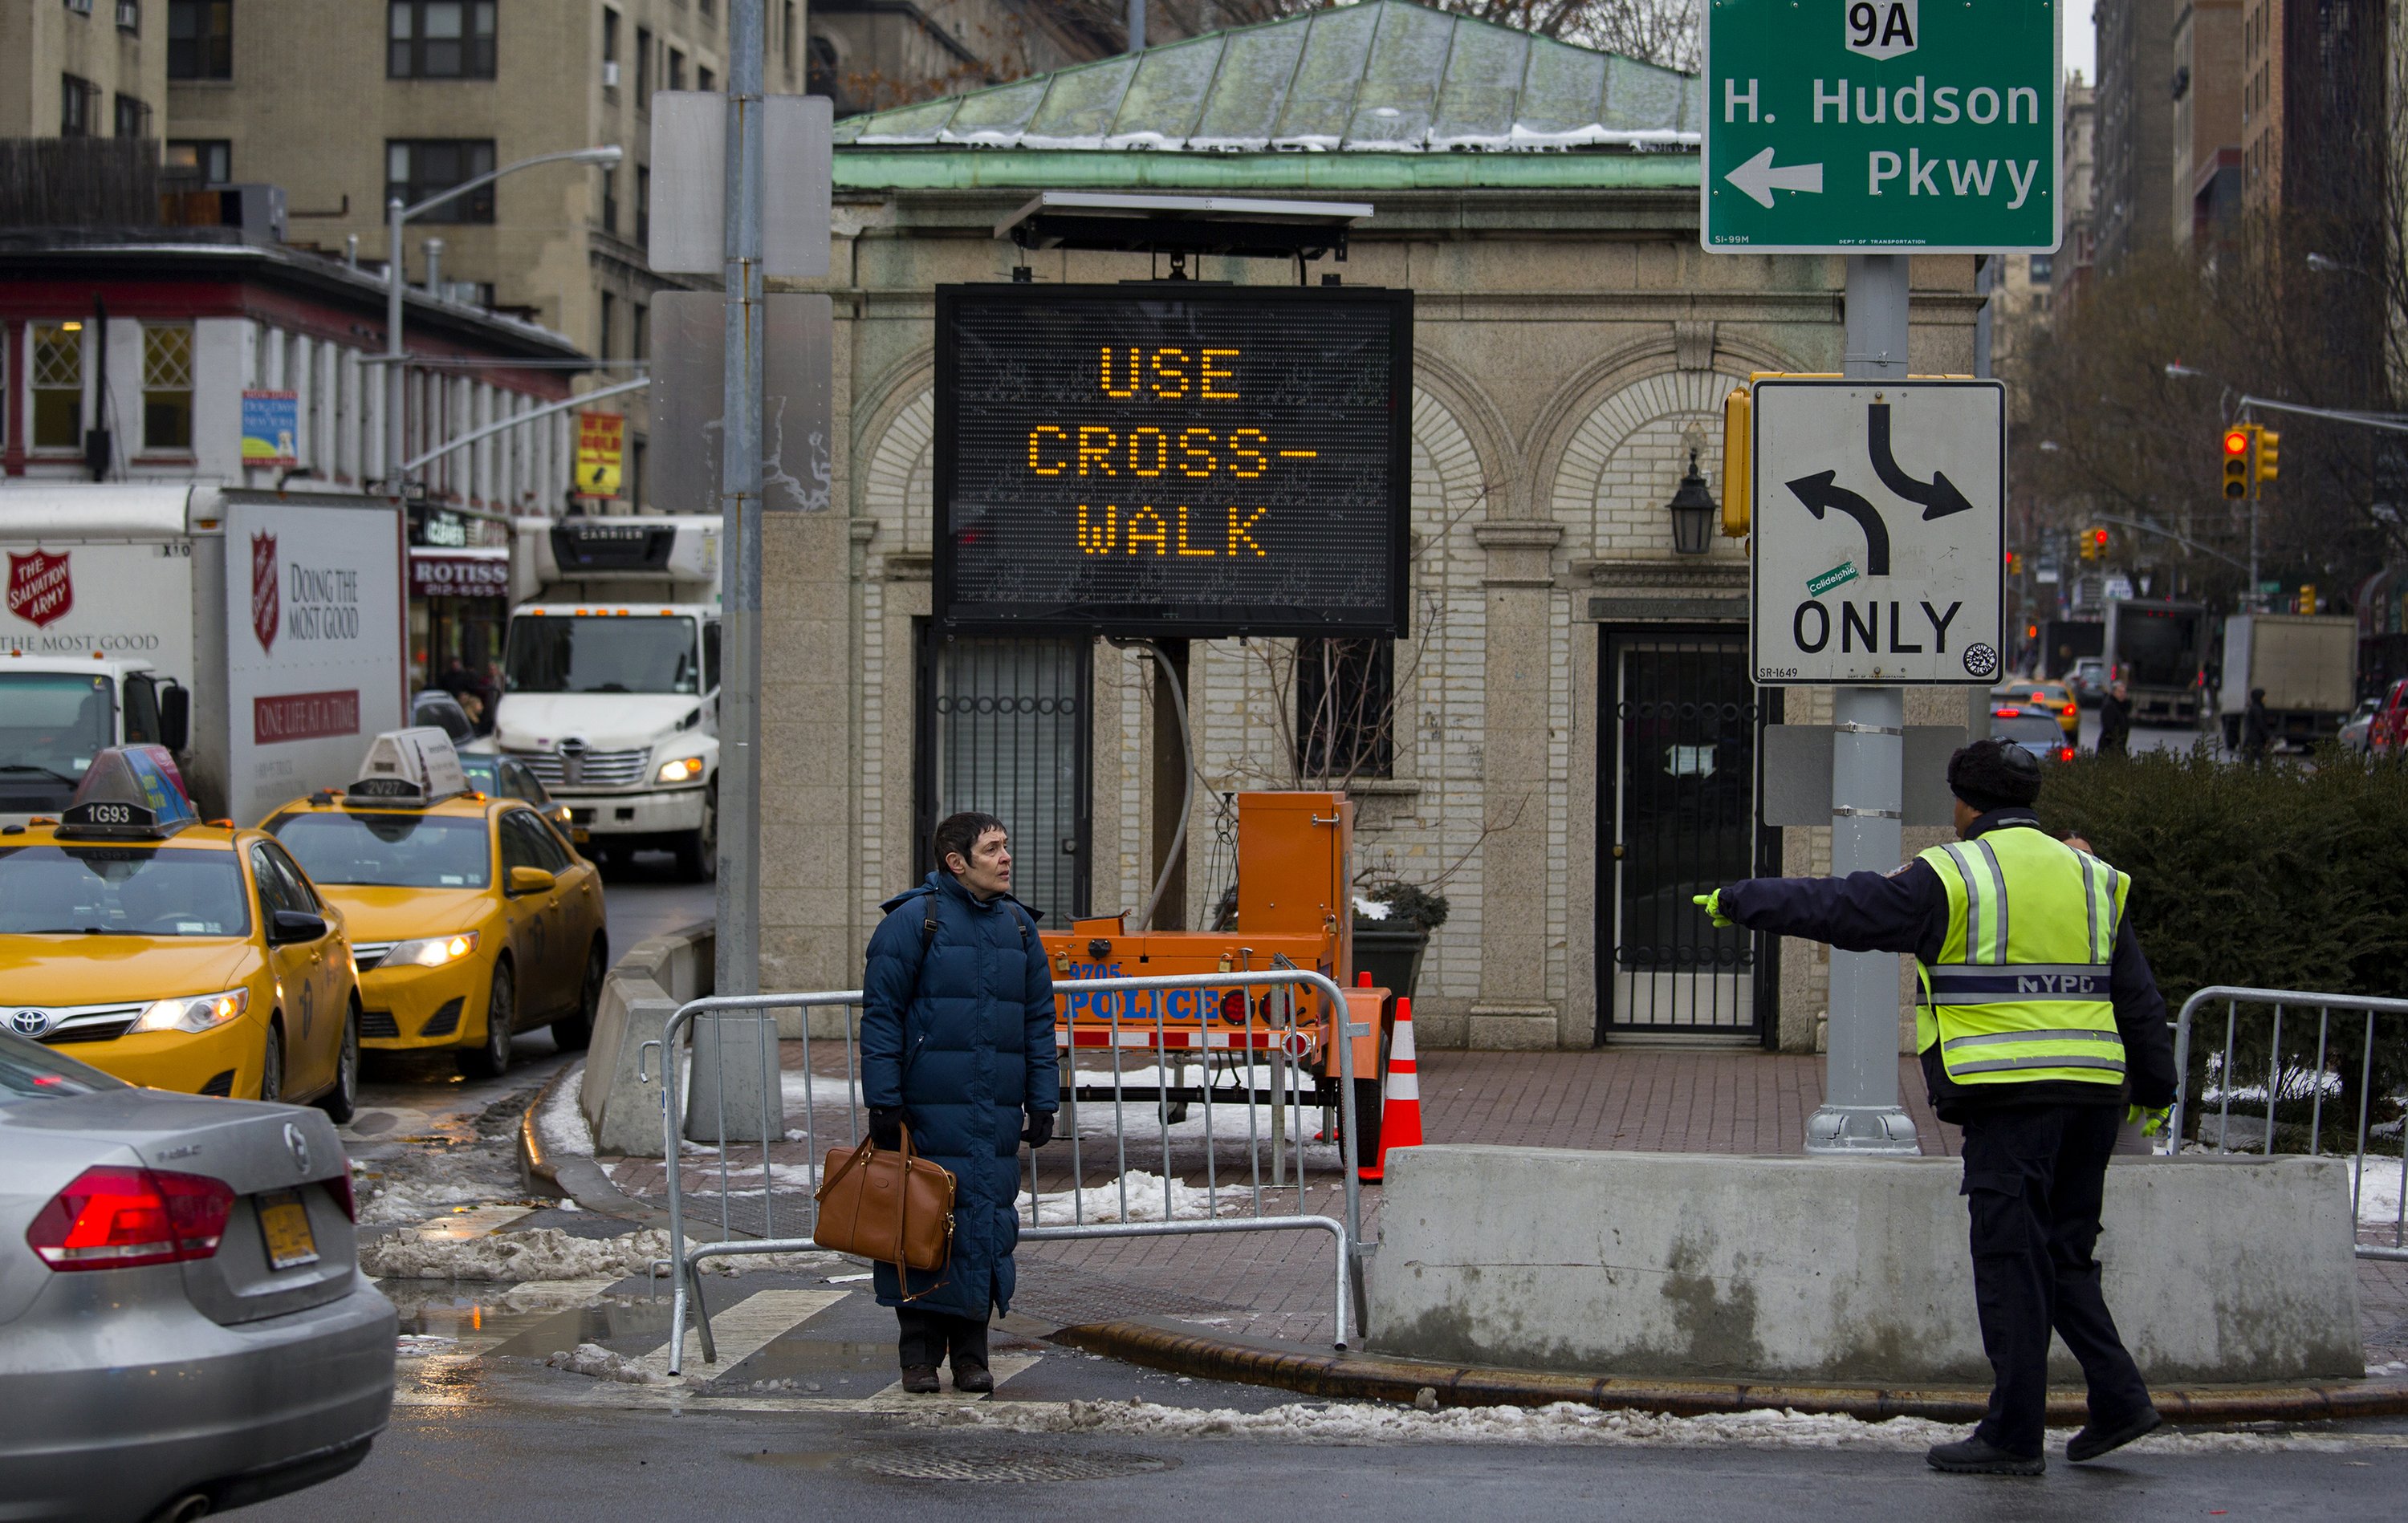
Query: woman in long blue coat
{"x": 957, "y": 1043}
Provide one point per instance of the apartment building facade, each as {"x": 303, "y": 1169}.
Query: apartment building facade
{"x": 82, "y": 68}
{"x": 2209, "y": 81}
{"x": 2134, "y": 127}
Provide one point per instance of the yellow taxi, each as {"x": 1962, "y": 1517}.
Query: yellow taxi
{"x": 2042, "y": 692}
{"x": 172, "y": 953}
{"x": 471, "y": 918}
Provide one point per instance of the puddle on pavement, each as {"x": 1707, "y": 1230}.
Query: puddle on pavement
{"x": 531, "y": 1321}
{"x": 630, "y": 1327}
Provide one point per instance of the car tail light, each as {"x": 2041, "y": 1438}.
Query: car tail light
{"x": 121, "y": 1219}
{"x": 2006, "y": 714}
{"x": 2069, "y": 710}
{"x": 2065, "y": 753}
{"x": 340, "y": 1189}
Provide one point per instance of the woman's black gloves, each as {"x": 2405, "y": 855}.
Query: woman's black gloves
{"x": 886, "y": 1127}
{"x": 1040, "y": 1129}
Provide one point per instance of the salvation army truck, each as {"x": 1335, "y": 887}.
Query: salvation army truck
{"x": 260, "y": 637}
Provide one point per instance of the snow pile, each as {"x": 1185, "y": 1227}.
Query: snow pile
{"x": 603, "y": 1364}
{"x": 2378, "y": 1200}
{"x": 561, "y": 1124}
{"x": 411, "y": 1345}
{"x": 418, "y": 1200}
{"x": 1102, "y": 1203}
{"x": 826, "y": 1094}
{"x": 1562, "y": 1422}
{"x": 547, "y": 1253}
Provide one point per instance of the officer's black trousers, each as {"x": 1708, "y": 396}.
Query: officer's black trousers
{"x": 928, "y": 1336}
{"x": 2033, "y": 1177}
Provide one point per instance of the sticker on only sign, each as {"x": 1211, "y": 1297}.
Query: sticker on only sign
{"x": 1899, "y": 488}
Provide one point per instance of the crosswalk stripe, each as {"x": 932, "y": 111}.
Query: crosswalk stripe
{"x": 744, "y": 1328}
{"x": 894, "y": 1399}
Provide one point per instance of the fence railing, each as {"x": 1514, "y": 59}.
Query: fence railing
{"x": 1233, "y": 1046}
{"x": 2229, "y": 1083}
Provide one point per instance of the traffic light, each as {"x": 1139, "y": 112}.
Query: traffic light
{"x": 2236, "y": 462}
{"x": 2014, "y": 565}
{"x": 1739, "y": 485}
{"x": 2308, "y": 598}
{"x": 2267, "y": 463}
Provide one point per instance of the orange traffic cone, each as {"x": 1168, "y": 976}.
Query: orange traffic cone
{"x": 1400, "y": 1116}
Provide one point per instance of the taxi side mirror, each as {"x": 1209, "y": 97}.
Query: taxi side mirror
{"x": 530, "y": 880}
{"x": 294, "y": 925}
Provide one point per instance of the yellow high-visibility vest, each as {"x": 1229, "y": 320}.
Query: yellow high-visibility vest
{"x": 2020, "y": 992}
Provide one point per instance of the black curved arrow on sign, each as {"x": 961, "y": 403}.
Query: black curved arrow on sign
{"x": 1939, "y": 496}
{"x": 1820, "y": 493}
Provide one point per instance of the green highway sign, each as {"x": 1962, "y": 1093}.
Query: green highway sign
{"x": 1872, "y": 126}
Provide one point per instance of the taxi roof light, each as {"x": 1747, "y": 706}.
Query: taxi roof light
{"x": 412, "y": 768}
{"x": 126, "y": 795}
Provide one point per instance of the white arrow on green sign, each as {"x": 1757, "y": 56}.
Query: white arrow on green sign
{"x": 1863, "y": 126}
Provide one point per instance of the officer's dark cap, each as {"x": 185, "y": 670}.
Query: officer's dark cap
{"x": 1994, "y": 775}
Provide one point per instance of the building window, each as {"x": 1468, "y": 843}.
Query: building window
{"x": 81, "y": 7}
{"x": 609, "y": 319}
{"x": 636, "y": 479}
{"x": 610, "y": 200}
{"x": 2041, "y": 266}
{"x": 439, "y": 39}
{"x": 78, "y": 102}
{"x": 416, "y": 169}
{"x": 643, "y": 68}
{"x": 610, "y": 49}
{"x": 708, "y": 7}
{"x": 210, "y": 160}
{"x": 132, "y": 118}
{"x": 641, "y": 331}
{"x": 644, "y": 205}
{"x": 57, "y": 385}
{"x": 786, "y": 35}
{"x": 168, "y": 387}
{"x": 1345, "y": 707}
{"x": 129, "y": 16}
{"x": 677, "y": 69}
{"x": 705, "y": 80}
{"x": 200, "y": 39}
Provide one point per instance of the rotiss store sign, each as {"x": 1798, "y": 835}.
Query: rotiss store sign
{"x": 1199, "y": 462}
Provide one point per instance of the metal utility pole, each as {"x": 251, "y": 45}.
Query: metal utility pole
{"x": 739, "y": 476}
{"x": 1137, "y": 26}
{"x": 1860, "y": 1112}
{"x": 392, "y": 379}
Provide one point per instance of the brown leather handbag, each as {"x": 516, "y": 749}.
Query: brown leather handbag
{"x": 892, "y": 1207}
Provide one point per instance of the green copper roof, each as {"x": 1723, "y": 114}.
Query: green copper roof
{"x": 1380, "y": 77}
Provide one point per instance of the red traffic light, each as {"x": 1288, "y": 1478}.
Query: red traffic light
{"x": 2099, "y": 537}
{"x": 2236, "y": 441}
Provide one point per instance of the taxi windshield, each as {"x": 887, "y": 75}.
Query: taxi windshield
{"x": 122, "y": 891}
{"x": 617, "y": 654}
{"x": 402, "y": 849}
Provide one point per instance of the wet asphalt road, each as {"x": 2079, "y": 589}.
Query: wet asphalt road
{"x": 542, "y": 1466}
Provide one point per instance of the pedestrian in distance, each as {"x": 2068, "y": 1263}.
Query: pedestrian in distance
{"x": 957, "y": 1044}
{"x": 2116, "y": 720}
{"x": 2039, "y": 1019}
{"x": 2257, "y": 727}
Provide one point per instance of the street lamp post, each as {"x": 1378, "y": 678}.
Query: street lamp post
{"x": 395, "y": 215}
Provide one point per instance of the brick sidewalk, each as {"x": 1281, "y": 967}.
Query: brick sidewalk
{"x": 1738, "y": 1102}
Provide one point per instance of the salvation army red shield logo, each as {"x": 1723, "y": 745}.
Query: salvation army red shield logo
{"x": 39, "y": 588}
{"x": 266, "y": 611}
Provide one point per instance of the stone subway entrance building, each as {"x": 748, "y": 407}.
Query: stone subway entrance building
{"x": 1565, "y": 744}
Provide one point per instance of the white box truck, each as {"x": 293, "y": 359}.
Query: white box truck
{"x": 611, "y": 679}
{"x": 275, "y": 626}
{"x": 2306, "y": 662}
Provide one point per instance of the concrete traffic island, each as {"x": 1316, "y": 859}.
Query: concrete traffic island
{"x": 1511, "y": 1276}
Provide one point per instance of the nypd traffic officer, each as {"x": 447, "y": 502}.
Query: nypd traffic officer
{"x": 2039, "y": 1013}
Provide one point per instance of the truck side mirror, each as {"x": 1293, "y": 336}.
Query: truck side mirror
{"x": 175, "y": 717}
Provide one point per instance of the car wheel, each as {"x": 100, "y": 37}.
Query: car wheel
{"x": 271, "y": 1065}
{"x": 574, "y": 1032}
{"x": 493, "y": 1060}
{"x": 344, "y": 1098}
{"x": 697, "y": 850}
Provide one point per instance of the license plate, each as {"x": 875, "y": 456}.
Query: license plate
{"x": 284, "y": 1221}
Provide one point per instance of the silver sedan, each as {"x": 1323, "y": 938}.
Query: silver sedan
{"x": 184, "y": 1325}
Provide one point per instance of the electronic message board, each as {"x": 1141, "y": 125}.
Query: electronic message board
{"x": 1181, "y": 460}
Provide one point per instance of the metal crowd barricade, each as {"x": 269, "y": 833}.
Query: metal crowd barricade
{"x": 1271, "y": 1029}
{"x": 2227, "y": 1078}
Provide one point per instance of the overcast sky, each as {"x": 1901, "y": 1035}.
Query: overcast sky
{"x": 2081, "y": 42}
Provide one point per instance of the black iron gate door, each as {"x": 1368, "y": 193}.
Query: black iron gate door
{"x": 1676, "y": 817}
{"x": 1003, "y": 728}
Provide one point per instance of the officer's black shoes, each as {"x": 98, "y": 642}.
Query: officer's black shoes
{"x": 919, "y": 1379}
{"x": 1975, "y": 1456}
{"x": 2094, "y": 1441}
{"x": 972, "y": 1379}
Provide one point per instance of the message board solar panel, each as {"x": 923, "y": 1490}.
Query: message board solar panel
{"x": 1167, "y": 461}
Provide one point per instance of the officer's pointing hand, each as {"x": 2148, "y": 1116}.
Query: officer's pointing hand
{"x": 1713, "y": 904}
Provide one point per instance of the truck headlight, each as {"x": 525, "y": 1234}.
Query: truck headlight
{"x": 192, "y": 1012}
{"x": 685, "y": 769}
{"x": 430, "y": 951}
